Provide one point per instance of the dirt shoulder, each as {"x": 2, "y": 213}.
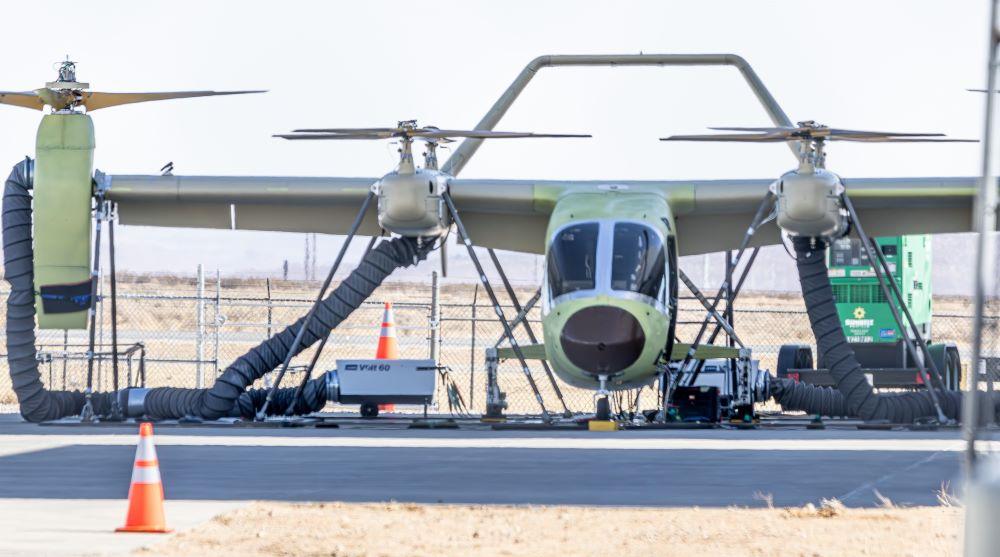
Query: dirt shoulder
{"x": 341, "y": 529}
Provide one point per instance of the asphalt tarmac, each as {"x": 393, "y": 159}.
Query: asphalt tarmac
{"x": 718, "y": 468}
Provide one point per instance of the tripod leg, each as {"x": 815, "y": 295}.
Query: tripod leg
{"x": 464, "y": 236}
{"x": 527, "y": 328}
{"x": 319, "y": 350}
{"x": 293, "y": 349}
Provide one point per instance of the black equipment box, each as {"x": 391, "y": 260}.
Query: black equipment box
{"x": 697, "y": 404}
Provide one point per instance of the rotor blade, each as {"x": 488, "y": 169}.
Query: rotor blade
{"x": 486, "y": 134}
{"x": 904, "y": 140}
{"x": 827, "y": 132}
{"x": 763, "y": 137}
{"x": 331, "y": 136}
{"x": 27, "y": 99}
{"x": 95, "y": 100}
{"x": 347, "y": 130}
{"x": 762, "y": 129}
{"x": 385, "y": 133}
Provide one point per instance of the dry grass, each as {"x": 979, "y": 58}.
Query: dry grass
{"x": 342, "y": 529}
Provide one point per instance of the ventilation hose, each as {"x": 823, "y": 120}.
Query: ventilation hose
{"x": 219, "y": 400}
{"x": 229, "y": 395}
{"x": 853, "y": 395}
{"x": 37, "y": 404}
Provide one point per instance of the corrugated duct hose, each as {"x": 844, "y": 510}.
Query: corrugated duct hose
{"x": 853, "y": 395}
{"x": 37, "y": 403}
{"x": 229, "y": 395}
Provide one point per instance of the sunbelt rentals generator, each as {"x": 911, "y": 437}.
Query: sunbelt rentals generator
{"x": 866, "y": 316}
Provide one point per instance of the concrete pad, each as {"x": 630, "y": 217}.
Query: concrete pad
{"x": 61, "y": 527}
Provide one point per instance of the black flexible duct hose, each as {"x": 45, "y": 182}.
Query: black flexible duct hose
{"x": 37, "y": 404}
{"x": 219, "y": 400}
{"x": 228, "y": 397}
{"x": 853, "y": 395}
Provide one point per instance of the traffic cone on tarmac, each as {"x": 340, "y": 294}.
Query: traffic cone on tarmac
{"x": 145, "y": 495}
{"x": 387, "y": 347}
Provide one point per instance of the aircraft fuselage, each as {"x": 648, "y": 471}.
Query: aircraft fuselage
{"x": 610, "y": 290}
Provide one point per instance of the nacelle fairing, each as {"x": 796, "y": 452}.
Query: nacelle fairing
{"x": 411, "y": 204}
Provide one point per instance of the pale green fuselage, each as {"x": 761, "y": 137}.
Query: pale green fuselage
{"x": 609, "y": 205}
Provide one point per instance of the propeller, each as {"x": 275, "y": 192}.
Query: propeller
{"x": 66, "y": 93}
{"x": 409, "y": 130}
{"x": 811, "y": 131}
{"x": 803, "y": 195}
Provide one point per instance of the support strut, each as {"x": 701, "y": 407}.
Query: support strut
{"x": 87, "y": 414}
{"x": 758, "y": 219}
{"x": 293, "y": 349}
{"x": 464, "y": 236}
{"x": 290, "y": 411}
{"x": 527, "y": 328}
{"x": 114, "y": 299}
{"x": 718, "y": 327}
{"x": 712, "y": 311}
{"x": 905, "y": 329}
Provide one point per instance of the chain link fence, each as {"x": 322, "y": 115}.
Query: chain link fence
{"x": 183, "y": 333}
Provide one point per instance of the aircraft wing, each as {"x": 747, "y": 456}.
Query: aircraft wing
{"x": 711, "y": 215}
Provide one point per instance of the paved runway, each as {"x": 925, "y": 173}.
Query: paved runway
{"x": 658, "y": 468}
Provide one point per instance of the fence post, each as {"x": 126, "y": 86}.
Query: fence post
{"x": 199, "y": 376}
{"x": 269, "y": 308}
{"x": 435, "y": 318}
{"x": 472, "y": 350}
{"x": 218, "y": 318}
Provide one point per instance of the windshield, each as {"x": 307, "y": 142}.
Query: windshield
{"x": 638, "y": 261}
{"x": 572, "y": 258}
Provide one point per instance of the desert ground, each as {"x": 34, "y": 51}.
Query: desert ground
{"x": 342, "y": 529}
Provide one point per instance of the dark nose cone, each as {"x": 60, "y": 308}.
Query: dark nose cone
{"x": 602, "y": 339}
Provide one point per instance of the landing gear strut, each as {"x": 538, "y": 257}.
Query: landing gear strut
{"x": 603, "y": 410}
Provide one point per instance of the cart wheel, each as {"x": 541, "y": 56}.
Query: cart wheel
{"x": 603, "y": 409}
{"x": 793, "y": 356}
{"x": 369, "y": 410}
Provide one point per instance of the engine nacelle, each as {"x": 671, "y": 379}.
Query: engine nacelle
{"x": 809, "y": 204}
{"x": 412, "y": 204}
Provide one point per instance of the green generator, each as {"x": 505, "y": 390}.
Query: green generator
{"x": 866, "y": 315}
{"x": 864, "y": 312}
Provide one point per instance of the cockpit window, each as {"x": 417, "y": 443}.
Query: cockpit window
{"x": 638, "y": 260}
{"x": 572, "y": 259}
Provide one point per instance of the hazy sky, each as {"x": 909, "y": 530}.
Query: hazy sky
{"x": 901, "y": 66}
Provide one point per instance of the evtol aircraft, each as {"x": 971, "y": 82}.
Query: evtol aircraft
{"x": 609, "y": 296}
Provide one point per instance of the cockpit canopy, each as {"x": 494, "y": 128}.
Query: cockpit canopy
{"x": 607, "y": 256}
{"x": 638, "y": 262}
{"x": 572, "y": 259}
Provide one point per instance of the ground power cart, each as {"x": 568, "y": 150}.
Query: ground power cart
{"x": 867, "y": 319}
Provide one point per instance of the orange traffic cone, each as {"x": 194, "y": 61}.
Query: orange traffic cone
{"x": 387, "y": 348}
{"x": 145, "y": 495}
